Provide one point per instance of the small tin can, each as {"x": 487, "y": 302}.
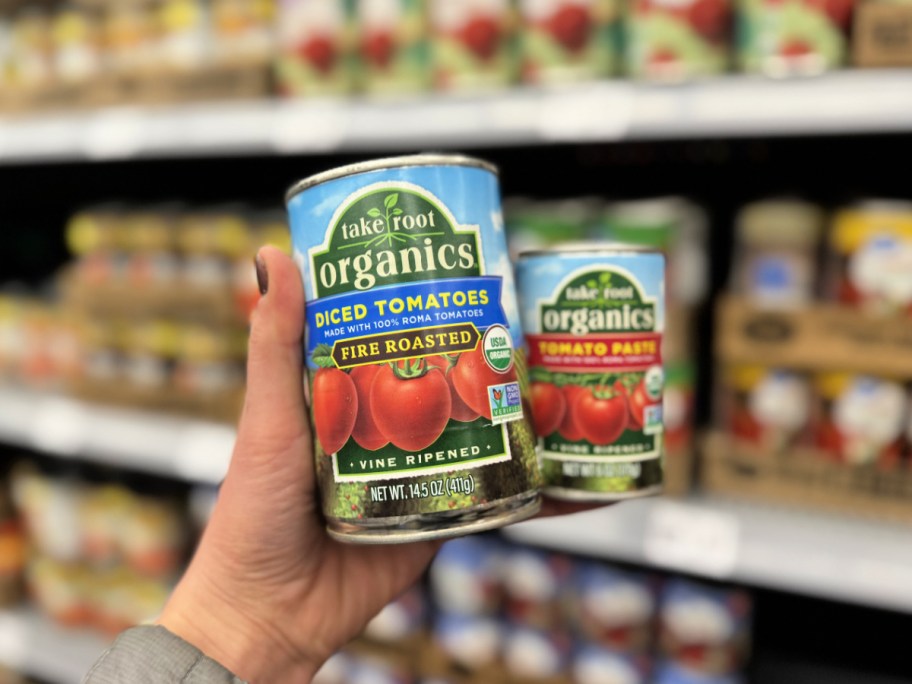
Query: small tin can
{"x": 569, "y": 40}
{"x": 414, "y": 350}
{"x": 594, "y": 317}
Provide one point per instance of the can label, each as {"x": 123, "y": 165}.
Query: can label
{"x": 595, "y": 335}
{"x": 412, "y": 343}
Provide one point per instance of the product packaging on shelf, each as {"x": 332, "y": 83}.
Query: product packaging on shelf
{"x": 103, "y": 554}
{"x": 393, "y": 46}
{"x": 549, "y": 618}
{"x": 775, "y": 264}
{"x": 472, "y": 44}
{"x": 676, "y": 41}
{"x": 315, "y": 47}
{"x": 568, "y": 40}
{"x": 882, "y": 34}
{"x": 816, "y": 360}
{"x": 793, "y": 37}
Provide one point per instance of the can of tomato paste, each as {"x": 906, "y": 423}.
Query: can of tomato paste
{"x": 594, "y": 317}
{"x": 414, "y": 350}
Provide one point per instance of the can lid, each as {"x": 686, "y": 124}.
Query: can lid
{"x": 427, "y": 159}
{"x": 783, "y": 222}
{"x": 590, "y": 248}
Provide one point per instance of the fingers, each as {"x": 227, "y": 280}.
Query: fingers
{"x": 274, "y": 413}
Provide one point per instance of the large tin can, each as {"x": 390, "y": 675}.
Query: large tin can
{"x": 414, "y": 350}
{"x": 594, "y": 318}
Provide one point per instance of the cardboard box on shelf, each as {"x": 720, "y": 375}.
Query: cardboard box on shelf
{"x": 883, "y": 34}
{"x": 818, "y": 337}
{"x": 802, "y": 477}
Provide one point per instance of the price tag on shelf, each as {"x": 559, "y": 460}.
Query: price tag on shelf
{"x": 58, "y": 426}
{"x": 692, "y": 539}
{"x": 598, "y": 112}
{"x": 113, "y": 134}
{"x": 313, "y": 125}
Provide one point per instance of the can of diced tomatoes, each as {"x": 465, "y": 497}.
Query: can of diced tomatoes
{"x": 414, "y": 350}
{"x": 594, "y": 317}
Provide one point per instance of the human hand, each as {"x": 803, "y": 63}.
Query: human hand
{"x": 268, "y": 594}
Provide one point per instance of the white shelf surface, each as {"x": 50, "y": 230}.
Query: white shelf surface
{"x": 832, "y": 557}
{"x": 737, "y": 105}
{"x": 30, "y": 643}
{"x": 176, "y": 447}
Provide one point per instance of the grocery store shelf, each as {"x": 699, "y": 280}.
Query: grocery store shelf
{"x": 832, "y": 557}
{"x": 850, "y": 101}
{"x": 176, "y": 447}
{"x": 30, "y": 643}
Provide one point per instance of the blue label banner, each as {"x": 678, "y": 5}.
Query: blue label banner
{"x": 426, "y": 304}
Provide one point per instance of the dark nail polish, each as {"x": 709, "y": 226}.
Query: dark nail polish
{"x": 262, "y": 274}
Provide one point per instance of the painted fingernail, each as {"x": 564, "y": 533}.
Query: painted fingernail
{"x": 262, "y": 274}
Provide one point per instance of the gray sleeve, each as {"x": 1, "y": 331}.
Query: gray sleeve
{"x": 153, "y": 655}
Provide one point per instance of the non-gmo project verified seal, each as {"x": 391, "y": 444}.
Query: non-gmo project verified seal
{"x": 505, "y": 401}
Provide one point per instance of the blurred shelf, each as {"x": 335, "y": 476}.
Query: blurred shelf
{"x": 181, "y": 448}
{"x": 862, "y": 101}
{"x": 832, "y": 557}
{"x": 30, "y": 643}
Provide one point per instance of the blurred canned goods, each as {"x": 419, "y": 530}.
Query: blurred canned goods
{"x": 569, "y": 40}
{"x": 472, "y": 44}
{"x": 393, "y": 46}
{"x": 769, "y": 408}
{"x": 871, "y": 257}
{"x": 860, "y": 420}
{"x": 793, "y": 37}
{"x": 315, "y": 47}
{"x": 776, "y": 260}
{"x": 674, "y": 41}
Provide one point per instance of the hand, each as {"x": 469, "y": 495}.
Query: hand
{"x": 268, "y": 594}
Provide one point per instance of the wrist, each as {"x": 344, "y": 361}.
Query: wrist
{"x": 250, "y": 648}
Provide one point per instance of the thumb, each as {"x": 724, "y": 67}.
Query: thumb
{"x": 274, "y": 416}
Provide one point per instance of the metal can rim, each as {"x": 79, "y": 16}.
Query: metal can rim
{"x": 590, "y": 248}
{"x": 425, "y": 159}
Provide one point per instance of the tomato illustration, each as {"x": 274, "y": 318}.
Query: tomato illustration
{"x": 335, "y": 408}
{"x": 548, "y": 407}
{"x": 639, "y": 399}
{"x": 377, "y": 48}
{"x": 471, "y": 377}
{"x": 710, "y": 18}
{"x": 411, "y": 404}
{"x": 571, "y": 25}
{"x": 601, "y": 414}
{"x": 460, "y": 410}
{"x": 568, "y": 428}
{"x": 320, "y": 52}
{"x": 481, "y": 35}
{"x": 366, "y": 433}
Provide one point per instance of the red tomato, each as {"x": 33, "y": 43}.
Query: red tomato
{"x": 471, "y": 377}
{"x": 601, "y": 414}
{"x": 568, "y": 428}
{"x": 481, "y": 35}
{"x": 320, "y": 51}
{"x": 744, "y": 426}
{"x": 710, "y": 18}
{"x": 460, "y": 411}
{"x": 411, "y": 412}
{"x": 335, "y": 407}
{"x": 548, "y": 407}
{"x": 366, "y": 433}
{"x": 571, "y": 26}
{"x": 638, "y": 400}
{"x": 377, "y": 48}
